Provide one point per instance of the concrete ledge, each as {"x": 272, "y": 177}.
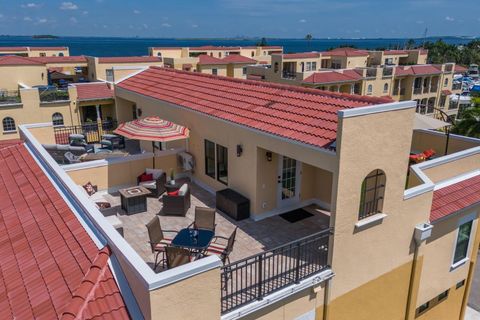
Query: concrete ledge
{"x": 376, "y": 218}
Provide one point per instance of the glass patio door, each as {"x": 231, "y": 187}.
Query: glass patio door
{"x": 288, "y": 181}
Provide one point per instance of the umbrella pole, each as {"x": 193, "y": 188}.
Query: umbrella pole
{"x": 447, "y": 142}
{"x": 153, "y": 152}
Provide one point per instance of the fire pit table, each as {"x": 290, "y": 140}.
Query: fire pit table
{"x": 134, "y": 199}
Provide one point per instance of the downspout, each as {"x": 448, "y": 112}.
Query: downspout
{"x": 422, "y": 232}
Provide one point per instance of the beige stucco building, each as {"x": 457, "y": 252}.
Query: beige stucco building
{"x": 35, "y": 51}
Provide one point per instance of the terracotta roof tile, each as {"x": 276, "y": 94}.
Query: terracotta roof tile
{"x": 417, "y": 70}
{"x": 460, "y": 69}
{"x": 211, "y": 48}
{"x": 206, "y": 59}
{"x": 13, "y": 49}
{"x": 455, "y": 197}
{"x": 301, "y": 114}
{"x": 346, "y": 52}
{"x": 301, "y": 55}
{"x": 129, "y": 59}
{"x": 95, "y": 90}
{"x": 333, "y": 76}
{"x": 236, "y": 58}
{"x": 17, "y": 60}
{"x": 65, "y": 59}
{"x": 45, "y": 252}
{"x": 47, "y": 48}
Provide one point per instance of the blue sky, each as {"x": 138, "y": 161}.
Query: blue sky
{"x": 230, "y": 18}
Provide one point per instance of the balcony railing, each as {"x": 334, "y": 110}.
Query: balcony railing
{"x": 89, "y": 130}
{"x": 10, "y": 97}
{"x": 289, "y": 75}
{"x": 396, "y": 92}
{"x": 255, "y": 277}
{"x": 434, "y": 88}
{"x": 53, "y": 95}
{"x": 457, "y": 86}
{"x": 371, "y": 73}
{"x": 387, "y": 72}
{"x": 417, "y": 90}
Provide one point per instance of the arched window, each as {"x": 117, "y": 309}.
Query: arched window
{"x": 369, "y": 89}
{"x": 60, "y": 54}
{"x": 445, "y": 83}
{"x": 9, "y": 124}
{"x": 372, "y": 193}
{"x": 275, "y": 67}
{"x": 253, "y": 54}
{"x": 57, "y": 119}
{"x": 159, "y": 54}
{"x": 385, "y": 88}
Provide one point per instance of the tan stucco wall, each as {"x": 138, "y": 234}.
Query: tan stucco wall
{"x": 452, "y": 169}
{"x": 365, "y": 144}
{"x": 44, "y": 135}
{"x": 197, "y": 297}
{"x": 448, "y": 309}
{"x": 11, "y": 76}
{"x": 381, "y": 298}
{"x": 437, "y": 275}
{"x": 424, "y": 140}
{"x": 292, "y": 307}
{"x": 356, "y": 62}
{"x": 48, "y": 53}
{"x": 32, "y": 111}
{"x": 205, "y": 68}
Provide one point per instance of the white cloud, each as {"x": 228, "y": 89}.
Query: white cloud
{"x": 448, "y": 18}
{"x": 42, "y": 20}
{"x": 302, "y": 20}
{"x": 27, "y": 19}
{"x": 68, "y": 6}
{"x": 194, "y": 25}
{"x": 85, "y": 12}
{"x": 136, "y": 11}
{"x": 166, "y": 25}
{"x": 145, "y": 26}
{"x": 30, "y": 5}
{"x": 73, "y": 20}
{"x": 420, "y": 22}
{"x": 356, "y": 31}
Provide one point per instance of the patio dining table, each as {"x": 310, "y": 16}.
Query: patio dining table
{"x": 195, "y": 240}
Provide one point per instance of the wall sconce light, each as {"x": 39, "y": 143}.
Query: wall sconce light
{"x": 269, "y": 156}
{"x": 239, "y": 150}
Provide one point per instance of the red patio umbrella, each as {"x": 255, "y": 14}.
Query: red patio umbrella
{"x": 152, "y": 129}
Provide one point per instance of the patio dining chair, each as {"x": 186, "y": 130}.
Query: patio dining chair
{"x": 204, "y": 218}
{"x": 223, "y": 250}
{"x": 158, "y": 241}
{"x": 176, "y": 256}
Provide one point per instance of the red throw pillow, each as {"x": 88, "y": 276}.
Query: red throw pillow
{"x": 146, "y": 177}
{"x": 173, "y": 193}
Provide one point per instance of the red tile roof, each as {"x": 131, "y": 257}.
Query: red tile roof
{"x": 206, "y": 59}
{"x": 455, "y": 197}
{"x": 333, "y": 76}
{"x": 47, "y": 48}
{"x": 446, "y": 92}
{"x": 417, "y": 70}
{"x": 13, "y": 49}
{"x": 46, "y": 254}
{"x": 210, "y": 48}
{"x": 301, "y": 55}
{"x": 301, "y": 114}
{"x": 460, "y": 69}
{"x": 236, "y": 58}
{"x": 94, "y": 91}
{"x": 129, "y": 59}
{"x": 346, "y": 52}
{"x": 17, "y": 60}
{"x": 67, "y": 59}
{"x": 167, "y": 48}
{"x": 395, "y": 52}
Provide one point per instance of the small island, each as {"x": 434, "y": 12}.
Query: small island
{"x": 44, "y": 36}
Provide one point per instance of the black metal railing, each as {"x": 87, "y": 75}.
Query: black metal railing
{"x": 89, "y": 130}
{"x": 371, "y": 72}
{"x": 255, "y": 277}
{"x": 289, "y": 75}
{"x": 53, "y": 95}
{"x": 8, "y": 97}
{"x": 369, "y": 208}
{"x": 387, "y": 72}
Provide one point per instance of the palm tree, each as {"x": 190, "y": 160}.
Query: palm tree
{"x": 469, "y": 125}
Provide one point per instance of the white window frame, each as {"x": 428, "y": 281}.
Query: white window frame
{"x": 466, "y": 219}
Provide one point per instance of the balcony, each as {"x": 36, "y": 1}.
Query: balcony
{"x": 417, "y": 90}
{"x": 371, "y": 72}
{"x": 289, "y": 75}
{"x": 397, "y": 91}
{"x": 10, "y": 97}
{"x": 434, "y": 88}
{"x": 53, "y": 95}
{"x": 387, "y": 72}
{"x": 457, "y": 86}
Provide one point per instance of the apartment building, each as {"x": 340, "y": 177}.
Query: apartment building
{"x": 254, "y": 52}
{"x": 399, "y": 74}
{"x": 373, "y": 247}
{"x": 35, "y": 51}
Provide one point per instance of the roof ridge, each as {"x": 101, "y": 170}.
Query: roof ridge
{"x": 90, "y": 282}
{"x": 264, "y": 84}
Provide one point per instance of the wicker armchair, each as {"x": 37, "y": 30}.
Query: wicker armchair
{"x": 156, "y": 186}
{"x": 176, "y": 205}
